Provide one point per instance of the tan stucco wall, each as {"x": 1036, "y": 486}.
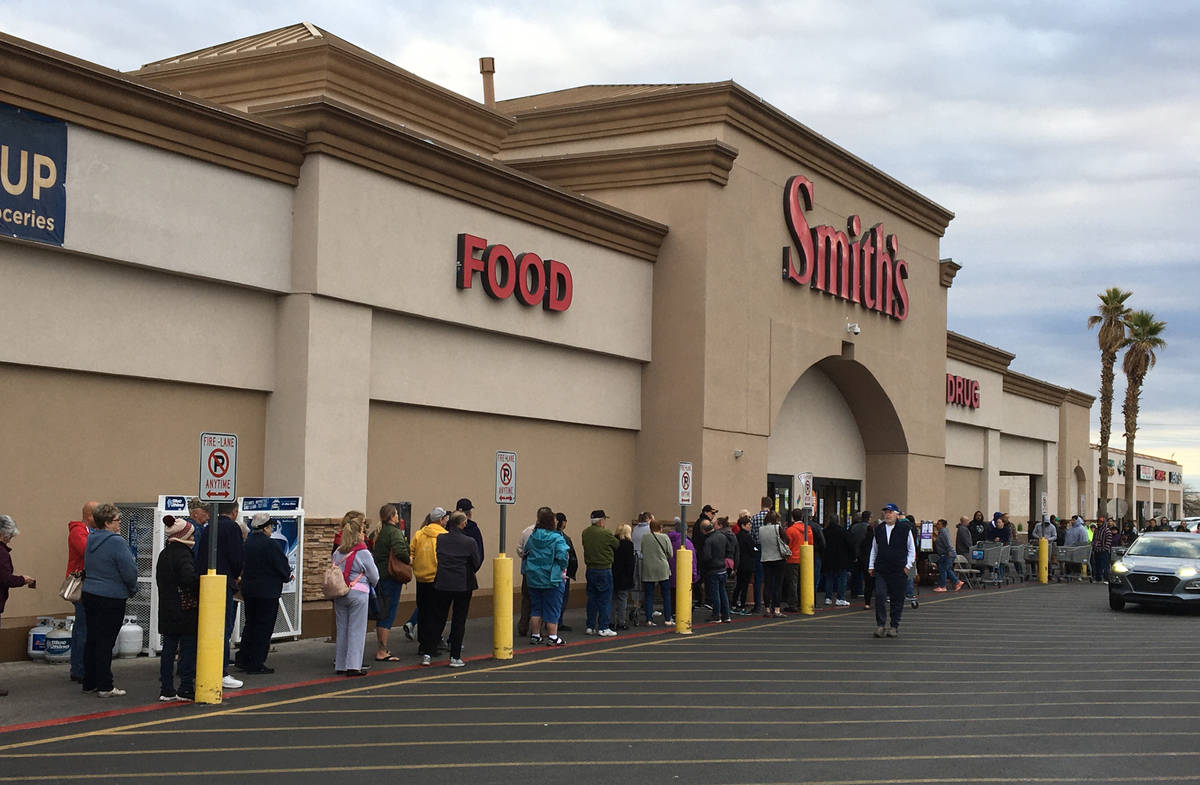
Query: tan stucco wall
{"x": 67, "y": 311}
{"x": 392, "y": 245}
{"x": 72, "y": 437}
{"x": 1030, "y": 419}
{"x": 1074, "y": 452}
{"x": 963, "y": 489}
{"x": 965, "y": 446}
{"x": 816, "y": 432}
{"x": 435, "y": 456}
{"x": 437, "y": 364}
{"x": 149, "y": 207}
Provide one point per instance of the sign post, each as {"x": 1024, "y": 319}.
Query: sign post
{"x": 218, "y": 484}
{"x": 683, "y": 557}
{"x": 502, "y": 566}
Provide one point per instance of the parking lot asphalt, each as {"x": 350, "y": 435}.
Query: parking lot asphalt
{"x": 1023, "y": 684}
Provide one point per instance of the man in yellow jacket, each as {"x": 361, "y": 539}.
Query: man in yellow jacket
{"x": 424, "y": 563}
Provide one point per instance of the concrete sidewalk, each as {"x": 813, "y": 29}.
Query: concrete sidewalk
{"x": 42, "y": 693}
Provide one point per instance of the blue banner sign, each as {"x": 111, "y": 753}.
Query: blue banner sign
{"x": 33, "y": 176}
{"x": 269, "y": 503}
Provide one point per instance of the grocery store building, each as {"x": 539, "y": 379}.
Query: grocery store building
{"x": 378, "y": 283}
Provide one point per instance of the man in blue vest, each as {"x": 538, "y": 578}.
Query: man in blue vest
{"x": 893, "y": 554}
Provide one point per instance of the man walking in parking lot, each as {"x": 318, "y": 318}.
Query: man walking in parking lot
{"x": 893, "y": 554}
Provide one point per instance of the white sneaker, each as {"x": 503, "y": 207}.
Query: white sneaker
{"x": 589, "y": 631}
{"x": 607, "y": 633}
{"x": 115, "y": 692}
{"x": 230, "y": 683}
{"x": 657, "y": 613}
{"x": 456, "y": 663}
{"x": 828, "y": 601}
{"x": 426, "y": 659}
{"x": 842, "y": 603}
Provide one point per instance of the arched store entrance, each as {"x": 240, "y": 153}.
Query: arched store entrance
{"x": 839, "y": 425}
{"x": 1078, "y": 492}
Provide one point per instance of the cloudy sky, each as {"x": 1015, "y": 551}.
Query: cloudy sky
{"x": 1065, "y": 136}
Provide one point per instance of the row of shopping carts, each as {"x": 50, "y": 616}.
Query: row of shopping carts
{"x": 996, "y": 564}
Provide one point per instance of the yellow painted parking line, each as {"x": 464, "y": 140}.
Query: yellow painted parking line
{"x": 767, "y": 691}
{"x": 174, "y": 750}
{"x": 939, "y": 757}
{"x": 1080, "y": 718}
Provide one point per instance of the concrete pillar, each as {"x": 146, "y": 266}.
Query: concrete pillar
{"x": 989, "y": 487}
{"x": 317, "y": 417}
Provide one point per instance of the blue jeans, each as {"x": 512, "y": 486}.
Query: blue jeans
{"x": 186, "y": 646}
{"x": 945, "y": 571}
{"x": 566, "y": 596}
{"x": 818, "y": 576}
{"x": 78, "y": 638}
{"x": 599, "y": 598}
{"x": 835, "y": 583}
{"x": 718, "y": 592}
{"x": 545, "y": 604}
{"x": 648, "y": 591}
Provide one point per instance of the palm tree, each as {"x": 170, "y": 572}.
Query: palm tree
{"x": 1144, "y": 338}
{"x": 1111, "y": 318}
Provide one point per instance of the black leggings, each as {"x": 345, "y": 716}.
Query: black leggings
{"x": 105, "y": 616}
{"x": 773, "y": 573}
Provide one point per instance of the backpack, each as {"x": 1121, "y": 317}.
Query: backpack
{"x": 333, "y": 581}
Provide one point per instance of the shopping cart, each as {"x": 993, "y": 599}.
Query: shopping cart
{"x": 1070, "y": 556}
{"x": 990, "y": 557}
{"x": 1031, "y": 558}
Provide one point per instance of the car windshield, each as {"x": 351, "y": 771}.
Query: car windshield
{"x": 1168, "y": 547}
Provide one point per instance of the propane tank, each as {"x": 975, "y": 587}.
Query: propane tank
{"x": 58, "y": 642}
{"x": 129, "y": 639}
{"x": 35, "y": 647}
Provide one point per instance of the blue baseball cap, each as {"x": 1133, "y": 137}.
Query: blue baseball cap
{"x": 890, "y": 508}
{"x": 997, "y": 516}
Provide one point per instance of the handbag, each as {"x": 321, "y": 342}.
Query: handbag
{"x": 72, "y": 587}
{"x": 784, "y": 550}
{"x": 333, "y": 582}
{"x": 399, "y": 570}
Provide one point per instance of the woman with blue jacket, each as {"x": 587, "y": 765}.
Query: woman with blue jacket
{"x": 110, "y": 578}
{"x": 545, "y": 566}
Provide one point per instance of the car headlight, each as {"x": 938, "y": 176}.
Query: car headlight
{"x": 1120, "y": 568}
{"x": 1186, "y": 572}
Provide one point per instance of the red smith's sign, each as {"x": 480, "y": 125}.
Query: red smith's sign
{"x": 862, "y": 269}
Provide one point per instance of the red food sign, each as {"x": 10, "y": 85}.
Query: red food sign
{"x": 503, "y": 274}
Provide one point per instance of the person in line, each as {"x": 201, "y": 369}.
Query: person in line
{"x": 978, "y": 528}
{"x": 1101, "y": 557}
{"x": 8, "y": 578}
{"x": 390, "y": 541}
{"x": 756, "y": 521}
{"x": 178, "y": 610}
{"x": 350, "y": 610}
{"x": 424, "y": 563}
{"x": 599, "y": 550}
{"x": 265, "y": 571}
{"x": 656, "y": 572}
{"x": 676, "y": 538}
{"x": 458, "y": 559}
{"x": 700, "y": 598}
{"x": 545, "y": 571}
{"x": 572, "y": 570}
{"x": 1044, "y": 530}
{"x": 526, "y": 605}
{"x": 836, "y": 562}
{"x": 770, "y": 543}
{"x": 110, "y": 579}
{"x": 1076, "y": 535}
{"x": 857, "y": 534}
{"x": 748, "y": 565}
{"x": 962, "y": 538}
{"x": 945, "y": 554}
{"x": 893, "y": 556}
{"x": 864, "y": 560}
{"x": 797, "y": 534}
{"x": 471, "y": 528}
{"x": 624, "y": 567}
{"x": 718, "y": 557}
{"x": 231, "y": 556}
{"x": 77, "y": 534}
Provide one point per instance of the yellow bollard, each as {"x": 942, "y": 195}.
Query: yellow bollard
{"x": 808, "y": 586}
{"x": 1043, "y": 561}
{"x": 502, "y": 608}
{"x": 683, "y": 591}
{"x": 210, "y": 638}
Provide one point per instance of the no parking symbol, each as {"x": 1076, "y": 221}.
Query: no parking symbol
{"x": 218, "y": 467}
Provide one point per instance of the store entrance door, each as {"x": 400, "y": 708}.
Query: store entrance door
{"x": 779, "y": 488}
{"x": 836, "y": 497}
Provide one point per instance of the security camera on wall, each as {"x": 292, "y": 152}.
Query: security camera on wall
{"x": 853, "y": 328}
